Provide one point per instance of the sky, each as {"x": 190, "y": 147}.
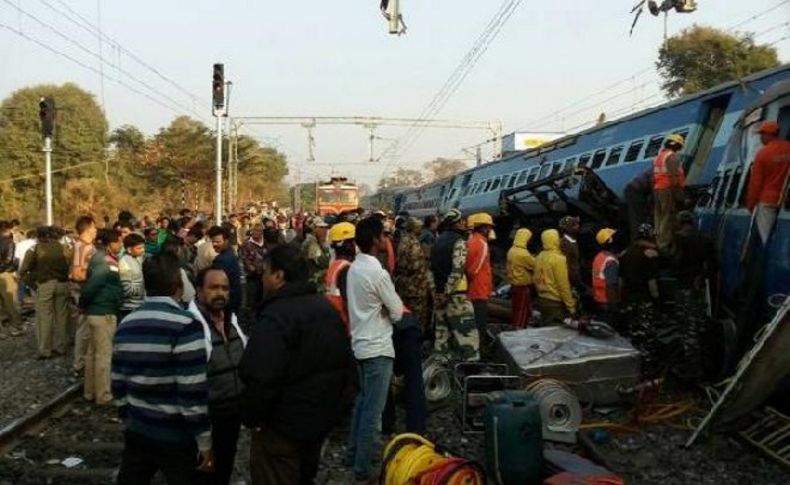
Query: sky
{"x": 554, "y": 66}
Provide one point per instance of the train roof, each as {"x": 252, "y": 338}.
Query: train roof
{"x": 775, "y": 91}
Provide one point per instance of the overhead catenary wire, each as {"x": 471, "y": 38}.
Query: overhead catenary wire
{"x": 96, "y": 31}
{"x": 451, "y": 85}
{"x": 86, "y": 66}
{"x": 98, "y": 56}
{"x": 641, "y": 72}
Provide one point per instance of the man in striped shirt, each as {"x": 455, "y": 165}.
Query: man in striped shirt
{"x": 159, "y": 383}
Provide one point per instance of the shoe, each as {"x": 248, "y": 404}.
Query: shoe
{"x": 16, "y": 332}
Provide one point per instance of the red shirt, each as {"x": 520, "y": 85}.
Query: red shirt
{"x": 769, "y": 172}
{"x": 478, "y": 268}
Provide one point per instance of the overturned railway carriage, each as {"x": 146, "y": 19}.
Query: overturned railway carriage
{"x": 616, "y": 151}
{"x": 718, "y": 125}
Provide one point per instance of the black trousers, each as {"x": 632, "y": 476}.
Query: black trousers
{"x": 408, "y": 363}
{"x": 481, "y": 321}
{"x": 225, "y": 426}
{"x": 142, "y": 457}
{"x": 277, "y": 460}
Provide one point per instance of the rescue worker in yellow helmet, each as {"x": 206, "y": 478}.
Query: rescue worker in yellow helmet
{"x": 478, "y": 267}
{"x": 669, "y": 181}
{"x": 606, "y": 276}
{"x": 341, "y": 239}
{"x": 555, "y": 299}
{"x": 519, "y": 267}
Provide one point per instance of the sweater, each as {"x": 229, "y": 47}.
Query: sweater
{"x": 131, "y": 274}
{"x": 102, "y": 292}
{"x": 159, "y": 374}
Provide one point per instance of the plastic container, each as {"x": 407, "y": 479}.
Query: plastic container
{"x": 514, "y": 438}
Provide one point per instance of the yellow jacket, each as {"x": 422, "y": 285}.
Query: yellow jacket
{"x": 520, "y": 262}
{"x": 551, "y": 271}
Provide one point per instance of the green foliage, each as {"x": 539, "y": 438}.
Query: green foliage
{"x": 402, "y": 177}
{"x": 444, "y": 167}
{"x": 78, "y": 145}
{"x": 100, "y": 174}
{"x": 702, "y": 57}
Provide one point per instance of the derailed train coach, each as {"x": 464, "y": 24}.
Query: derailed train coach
{"x": 586, "y": 173}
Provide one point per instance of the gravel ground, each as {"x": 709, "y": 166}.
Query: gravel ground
{"x": 27, "y": 382}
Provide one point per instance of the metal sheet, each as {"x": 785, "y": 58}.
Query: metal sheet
{"x": 593, "y": 368}
{"x": 758, "y": 374}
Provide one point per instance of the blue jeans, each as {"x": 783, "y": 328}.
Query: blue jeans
{"x": 374, "y": 382}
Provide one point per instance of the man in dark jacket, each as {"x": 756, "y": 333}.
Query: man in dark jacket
{"x": 295, "y": 369}
{"x": 100, "y": 301}
{"x": 46, "y": 269}
{"x": 228, "y": 260}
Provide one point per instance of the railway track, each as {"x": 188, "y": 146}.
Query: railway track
{"x": 65, "y": 441}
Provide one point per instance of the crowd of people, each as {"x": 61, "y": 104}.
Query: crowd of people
{"x": 286, "y": 324}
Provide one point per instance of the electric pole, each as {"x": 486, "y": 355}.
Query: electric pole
{"x": 47, "y": 114}
{"x": 218, "y": 96}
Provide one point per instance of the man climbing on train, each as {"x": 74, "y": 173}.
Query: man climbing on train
{"x": 768, "y": 180}
{"x": 669, "y": 181}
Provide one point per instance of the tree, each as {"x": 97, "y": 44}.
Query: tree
{"x": 128, "y": 139}
{"x": 78, "y": 145}
{"x": 701, "y": 57}
{"x": 261, "y": 172}
{"x": 403, "y": 177}
{"x": 444, "y": 167}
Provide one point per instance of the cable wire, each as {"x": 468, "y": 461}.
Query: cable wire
{"x": 99, "y": 58}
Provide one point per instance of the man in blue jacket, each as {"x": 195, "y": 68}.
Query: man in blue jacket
{"x": 229, "y": 261}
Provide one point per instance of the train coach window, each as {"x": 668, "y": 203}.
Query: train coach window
{"x": 544, "y": 171}
{"x": 614, "y": 156}
{"x": 466, "y": 190}
{"x": 569, "y": 163}
{"x": 496, "y": 183}
{"x": 488, "y": 185}
{"x": 634, "y": 150}
{"x": 512, "y": 180}
{"x": 598, "y": 158}
{"x": 556, "y": 168}
{"x": 522, "y": 177}
{"x": 714, "y": 186}
{"x": 584, "y": 160}
{"x": 732, "y": 192}
{"x": 654, "y": 146}
{"x": 533, "y": 174}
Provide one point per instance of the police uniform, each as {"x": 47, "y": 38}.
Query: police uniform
{"x": 456, "y": 332}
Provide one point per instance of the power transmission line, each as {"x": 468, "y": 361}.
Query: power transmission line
{"x": 99, "y": 71}
{"x": 452, "y": 84}
{"x": 758, "y": 15}
{"x": 94, "y": 30}
{"x": 86, "y": 66}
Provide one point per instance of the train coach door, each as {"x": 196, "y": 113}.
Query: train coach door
{"x": 712, "y": 112}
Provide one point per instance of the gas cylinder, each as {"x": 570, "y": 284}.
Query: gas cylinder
{"x": 513, "y": 437}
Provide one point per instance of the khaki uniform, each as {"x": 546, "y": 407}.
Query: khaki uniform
{"x": 413, "y": 281}
{"x": 456, "y": 331}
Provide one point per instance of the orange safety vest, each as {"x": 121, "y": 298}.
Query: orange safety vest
{"x": 661, "y": 178}
{"x": 598, "y": 278}
{"x": 333, "y": 290}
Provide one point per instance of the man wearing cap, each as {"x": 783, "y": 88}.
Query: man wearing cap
{"x": 315, "y": 250}
{"x": 669, "y": 181}
{"x": 569, "y": 228}
{"x": 605, "y": 276}
{"x": 454, "y": 311}
{"x": 768, "y": 180}
{"x": 478, "y": 267}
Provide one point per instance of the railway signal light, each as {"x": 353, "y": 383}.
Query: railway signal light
{"x": 218, "y": 86}
{"x": 46, "y": 111}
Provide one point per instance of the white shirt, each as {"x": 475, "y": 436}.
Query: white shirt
{"x": 22, "y": 248}
{"x": 373, "y": 305}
